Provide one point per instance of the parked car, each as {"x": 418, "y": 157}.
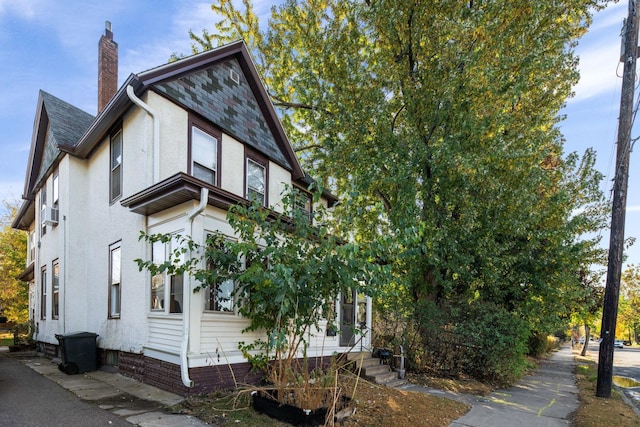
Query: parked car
{"x": 581, "y": 340}
{"x": 618, "y": 344}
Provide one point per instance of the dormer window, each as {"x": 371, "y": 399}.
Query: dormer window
{"x": 205, "y": 150}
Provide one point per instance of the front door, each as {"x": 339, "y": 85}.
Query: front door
{"x": 347, "y": 319}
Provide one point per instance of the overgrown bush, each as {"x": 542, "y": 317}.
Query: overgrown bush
{"x": 478, "y": 340}
{"x": 540, "y": 344}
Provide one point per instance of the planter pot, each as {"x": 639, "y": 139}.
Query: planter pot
{"x": 266, "y": 404}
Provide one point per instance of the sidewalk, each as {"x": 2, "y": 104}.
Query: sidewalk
{"x": 137, "y": 403}
{"x": 547, "y": 397}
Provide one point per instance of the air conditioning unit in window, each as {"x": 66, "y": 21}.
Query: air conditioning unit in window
{"x": 50, "y": 216}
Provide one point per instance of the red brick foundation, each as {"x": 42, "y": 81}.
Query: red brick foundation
{"x": 167, "y": 376}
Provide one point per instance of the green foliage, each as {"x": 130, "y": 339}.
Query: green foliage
{"x": 436, "y": 123}
{"x": 14, "y": 294}
{"x": 479, "y": 340}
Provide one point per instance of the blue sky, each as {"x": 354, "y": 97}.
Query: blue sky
{"x": 52, "y": 45}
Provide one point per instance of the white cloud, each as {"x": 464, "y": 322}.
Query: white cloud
{"x": 599, "y": 52}
{"x": 25, "y": 9}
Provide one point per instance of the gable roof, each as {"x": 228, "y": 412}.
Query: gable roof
{"x": 57, "y": 125}
{"x": 195, "y": 83}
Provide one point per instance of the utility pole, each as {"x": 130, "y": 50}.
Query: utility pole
{"x": 618, "y": 212}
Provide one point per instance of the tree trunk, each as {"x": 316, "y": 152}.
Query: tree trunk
{"x": 587, "y": 337}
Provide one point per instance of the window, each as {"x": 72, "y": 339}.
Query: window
{"x": 55, "y": 290}
{"x": 43, "y": 293}
{"x": 56, "y": 193}
{"x": 157, "y": 281}
{"x": 160, "y": 292}
{"x": 175, "y": 294}
{"x": 303, "y": 202}
{"x": 115, "y": 182}
{"x": 43, "y": 210}
{"x": 32, "y": 247}
{"x": 219, "y": 297}
{"x": 256, "y": 182}
{"x": 204, "y": 156}
{"x": 115, "y": 273}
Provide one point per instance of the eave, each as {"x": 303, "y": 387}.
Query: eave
{"x": 25, "y": 215}
{"x": 27, "y": 274}
{"x": 176, "y": 190}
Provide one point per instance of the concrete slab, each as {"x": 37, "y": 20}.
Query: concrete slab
{"x": 547, "y": 398}
{"x": 159, "y": 419}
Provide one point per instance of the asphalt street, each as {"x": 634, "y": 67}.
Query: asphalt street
{"x": 29, "y": 399}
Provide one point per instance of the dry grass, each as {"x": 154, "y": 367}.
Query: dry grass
{"x": 596, "y": 411}
{"x": 373, "y": 402}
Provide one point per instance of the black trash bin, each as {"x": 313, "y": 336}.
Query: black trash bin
{"x": 78, "y": 352}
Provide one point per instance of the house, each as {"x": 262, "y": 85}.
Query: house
{"x": 169, "y": 151}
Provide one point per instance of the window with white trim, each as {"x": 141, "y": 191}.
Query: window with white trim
{"x": 115, "y": 278}
{"x": 55, "y": 290}
{"x": 43, "y": 210}
{"x": 43, "y": 293}
{"x": 56, "y": 189}
{"x": 256, "y": 181}
{"x": 32, "y": 247}
{"x": 115, "y": 180}
{"x": 219, "y": 297}
{"x": 160, "y": 293}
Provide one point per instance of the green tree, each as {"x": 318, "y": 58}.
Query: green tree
{"x": 14, "y": 294}
{"x": 629, "y": 310}
{"x": 436, "y": 124}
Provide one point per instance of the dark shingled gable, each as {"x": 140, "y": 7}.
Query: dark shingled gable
{"x": 66, "y": 125}
{"x": 232, "y": 106}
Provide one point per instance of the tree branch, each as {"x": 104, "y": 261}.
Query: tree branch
{"x": 279, "y": 102}
{"x": 385, "y": 200}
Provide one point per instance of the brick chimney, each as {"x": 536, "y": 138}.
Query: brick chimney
{"x": 107, "y": 67}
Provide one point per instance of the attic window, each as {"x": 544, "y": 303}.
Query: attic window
{"x": 234, "y": 76}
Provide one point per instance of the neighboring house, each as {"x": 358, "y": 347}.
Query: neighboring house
{"x": 168, "y": 152}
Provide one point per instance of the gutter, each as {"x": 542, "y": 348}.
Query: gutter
{"x": 188, "y": 286}
{"x": 156, "y": 131}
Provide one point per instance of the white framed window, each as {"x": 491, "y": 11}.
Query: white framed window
{"x": 55, "y": 290}
{"x": 256, "y": 178}
{"x": 220, "y": 298}
{"x": 55, "y": 189}
{"x": 43, "y": 293}
{"x": 115, "y": 180}
{"x": 115, "y": 278}
{"x": 166, "y": 299}
{"x": 43, "y": 210}
{"x": 32, "y": 247}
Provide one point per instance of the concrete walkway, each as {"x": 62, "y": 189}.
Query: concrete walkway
{"x": 548, "y": 397}
{"x": 137, "y": 403}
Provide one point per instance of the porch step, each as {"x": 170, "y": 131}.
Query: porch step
{"x": 374, "y": 370}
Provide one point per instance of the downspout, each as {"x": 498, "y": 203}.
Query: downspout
{"x": 186, "y": 311}
{"x": 156, "y": 131}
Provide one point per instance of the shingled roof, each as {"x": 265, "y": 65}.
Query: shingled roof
{"x": 66, "y": 124}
